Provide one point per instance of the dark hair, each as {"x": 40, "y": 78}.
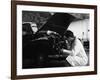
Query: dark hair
{"x": 27, "y": 27}
{"x": 69, "y": 33}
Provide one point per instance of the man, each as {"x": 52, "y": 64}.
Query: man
{"x": 34, "y": 27}
{"x": 76, "y": 52}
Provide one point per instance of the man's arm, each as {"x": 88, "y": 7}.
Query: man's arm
{"x": 70, "y": 52}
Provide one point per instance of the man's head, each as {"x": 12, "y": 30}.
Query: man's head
{"x": 34, "y": 27}
{"x": 69, "y": 35}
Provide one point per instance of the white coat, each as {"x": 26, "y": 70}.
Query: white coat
{"x": 79, "y": 57}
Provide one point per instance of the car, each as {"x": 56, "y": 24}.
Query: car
{"x": 43, "y": 49}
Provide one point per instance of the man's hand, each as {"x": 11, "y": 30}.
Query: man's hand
{"x": 62, "y": 50}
